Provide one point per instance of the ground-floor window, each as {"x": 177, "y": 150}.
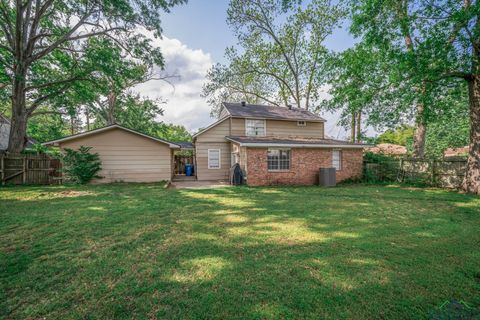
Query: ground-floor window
{"x": 213, "y": 158}
{"x": 337, "y": 159}
{"x": 278, "y": 159}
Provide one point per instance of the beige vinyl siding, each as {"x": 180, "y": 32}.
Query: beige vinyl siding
{"x": 213, "y": 138}
{"x": 201, "y": 152}
{"x": 216, "y": 133}
{"x": 223, "y": 113}
{"x": 282, "y": 128}
{"x": 126, "y": 156}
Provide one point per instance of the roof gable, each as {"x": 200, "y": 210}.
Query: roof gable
{"x": 241, "y": 110}
{"x": 210, "y": 126}
{"x": 4, "y": 119}
{"x": 114, "y": 126}
{"x": 5, "y": 133}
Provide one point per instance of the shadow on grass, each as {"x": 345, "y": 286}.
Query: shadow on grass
{"x": 141, "y": 251}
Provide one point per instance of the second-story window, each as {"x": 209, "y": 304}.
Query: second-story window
{"x": 254, "y": 127}
{"x": 302, "y": 123}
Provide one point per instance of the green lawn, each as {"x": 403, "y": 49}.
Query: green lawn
{"x": 141, "y": 251}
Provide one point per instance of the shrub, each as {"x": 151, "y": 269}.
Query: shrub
{"x": 81, "y": 166}
{"x": 380, "y": 168}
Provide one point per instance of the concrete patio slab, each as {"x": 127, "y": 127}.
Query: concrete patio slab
{"x": 199, "y": 184}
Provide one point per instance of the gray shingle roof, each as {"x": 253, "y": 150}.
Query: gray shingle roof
{"x": 293, "y": 141}
{"x": 5, "y": 133}
{"x": 4, "y": 119}
{"x": 270, "y": 112}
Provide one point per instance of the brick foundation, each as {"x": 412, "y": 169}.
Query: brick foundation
{"x": 304, "y": 166}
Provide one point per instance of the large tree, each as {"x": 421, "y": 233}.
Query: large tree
{"x": 356, "y": 78}
{"x": 281, "y": 56}
{"x": 446, "y": 54}
{"x": 43, "y": 45}
{"x": 393, "y": 27}
{"x": 117, "y": 73}
{"x": 135, "y": 112}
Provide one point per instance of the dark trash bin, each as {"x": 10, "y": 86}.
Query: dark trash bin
{"x": 237, "y": 177}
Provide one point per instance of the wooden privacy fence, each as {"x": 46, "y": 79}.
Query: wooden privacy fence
{"x": 29, "y": 169}
{"x": 180, "y": 162}
{"x": 440, "y": 173}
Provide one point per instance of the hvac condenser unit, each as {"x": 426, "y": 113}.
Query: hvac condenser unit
{"x": 326, "y": 177}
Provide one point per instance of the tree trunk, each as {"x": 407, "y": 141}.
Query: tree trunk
{"x": 471, "y": 182}
{"x": 420, "y": 131}
{"x": 353, "y": 128}
{"x": 87, "y": 116}
{"x": 18, "y": 131}
{"x": 72, "y": 129}
{"x": 359, "y": 126}
{"x": 18, "y": 127}
{"x": 110, "y": 116}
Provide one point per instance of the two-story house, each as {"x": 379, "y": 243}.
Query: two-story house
{"x": 273, "y": 145}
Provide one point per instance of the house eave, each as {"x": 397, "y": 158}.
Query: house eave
{"x": 293, "y": 145}
{"x": 297, "y": 145}
{"x": 280, "y": 119}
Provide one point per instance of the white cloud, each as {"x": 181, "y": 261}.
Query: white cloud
{"x": 184, "y": 104}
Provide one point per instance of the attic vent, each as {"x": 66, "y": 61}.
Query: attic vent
{"x": 302, "y": 123}
{"x": 243, "y": 103}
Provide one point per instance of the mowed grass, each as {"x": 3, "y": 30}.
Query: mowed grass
{"x": 141, "y": 251}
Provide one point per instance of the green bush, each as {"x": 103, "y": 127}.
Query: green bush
{"x": 380, "y": 168}
{"x": 81, "y": 166}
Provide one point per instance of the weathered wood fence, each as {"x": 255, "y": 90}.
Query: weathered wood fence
{"x": 29, "y": 169}
{"x": 180, "y": 162}
{"x": 440, "y": 173}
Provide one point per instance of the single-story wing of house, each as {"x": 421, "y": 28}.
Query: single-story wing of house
{"x": 126, "y": 155}
{"x": 272, "y": 145}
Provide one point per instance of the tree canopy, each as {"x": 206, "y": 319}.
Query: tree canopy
{"x": 47, "y": 47}
{"x": 281, "y": 57}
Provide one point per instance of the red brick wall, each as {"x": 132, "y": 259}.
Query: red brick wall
{"x": 304, "y": 166}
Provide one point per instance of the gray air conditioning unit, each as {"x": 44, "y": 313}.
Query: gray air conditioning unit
{"x": 326, "y": 177}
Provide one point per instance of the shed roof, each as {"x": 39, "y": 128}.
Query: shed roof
{"x": 270, "y": 112}
{"x": 294, "y": 142}
{"x": 185, "y": 145}
{"x": 5, "y": 121}
{"x": 110, "y": 127}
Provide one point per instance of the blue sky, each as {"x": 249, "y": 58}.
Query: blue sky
{"x": 201, "y": 24}
{"x": 195, "y": 36}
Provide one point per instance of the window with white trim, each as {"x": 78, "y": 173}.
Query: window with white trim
{"x": 302, "y": 123}
{"x": 337, "y": 159}
{"x": 214, "y": 159}
{"x": 278, "y": 159}
{"x": 254, "y": 127}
